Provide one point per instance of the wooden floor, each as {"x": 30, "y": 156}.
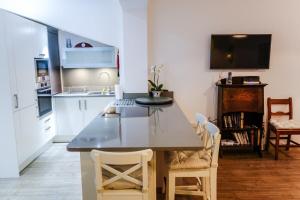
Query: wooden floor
{"x": 249, "y": 177}
{"x": 55, "y": 175}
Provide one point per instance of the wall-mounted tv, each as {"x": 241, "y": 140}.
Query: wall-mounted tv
{"x": 240, "y": 51}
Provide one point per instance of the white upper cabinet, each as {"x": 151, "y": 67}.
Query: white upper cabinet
{"x": 41, "y": 40}
{"x": 26, "y": 40}
{"x": 93, "y": 57}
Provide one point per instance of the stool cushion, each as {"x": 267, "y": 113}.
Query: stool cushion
{"x": 193, "y": 159}
{"x": 188, "y": 160}
{"x": 285, "y": 124}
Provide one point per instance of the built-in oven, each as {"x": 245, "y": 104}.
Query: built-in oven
{"x": 44, "y": 96}
{"x": 44, "y": 101}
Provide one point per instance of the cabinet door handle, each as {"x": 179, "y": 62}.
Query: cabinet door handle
{"x": 47, "y": 120}
{"x": 85, "y": 105}
{"x": 48, "y": 128}
{"x": 79, "y": 104}
{"x": 16, "y": 101}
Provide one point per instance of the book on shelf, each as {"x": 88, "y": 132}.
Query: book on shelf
{"x": 241, "y": 138}
{"x": 230, "y": 121}
{"x": 236, "y": 137}
{"x": 225, "y": 121}
{"x": 234, "y": 120}
{"x": 242, "y": 120}
{"x": 228, "y": 142}
{"x": 252, "y": 136}
{"x": 247, "y": 137}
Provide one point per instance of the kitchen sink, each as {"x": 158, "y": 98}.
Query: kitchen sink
{"x": 99, "y": 93}
{"x": 95, "y": 93}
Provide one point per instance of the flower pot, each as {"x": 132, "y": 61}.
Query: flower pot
{"x": 156, "y": 93}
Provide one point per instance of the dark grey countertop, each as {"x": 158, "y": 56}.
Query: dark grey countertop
{"x": 156, "y": 127}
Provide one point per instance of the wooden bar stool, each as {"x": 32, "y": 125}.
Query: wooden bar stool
{"x": 201, "y": 165}
{"x": 122, "y": 175}
{"x": 282, "y": 128}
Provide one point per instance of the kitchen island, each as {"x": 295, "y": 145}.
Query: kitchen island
{"x": 160, "y": 128}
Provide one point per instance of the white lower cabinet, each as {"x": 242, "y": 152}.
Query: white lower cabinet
{"x": 32, "y": 134}
{"x": 94, "y": 105}
{"x": 74, "y": 113}
{"x": 68, "y": 118}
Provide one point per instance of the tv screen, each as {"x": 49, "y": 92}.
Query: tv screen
{"x": 240, "y": 51}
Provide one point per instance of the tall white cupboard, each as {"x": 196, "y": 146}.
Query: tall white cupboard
{"x": 23, "y": 134}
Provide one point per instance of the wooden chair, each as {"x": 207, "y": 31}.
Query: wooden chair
{"x": 283, "y": 129}
{"x": 122, "y": 175}
{"x": 201, "y": 169}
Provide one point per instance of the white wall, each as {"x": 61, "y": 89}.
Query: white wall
{"x": 180, "y": 32}
{"x": 99, "y": 20}
{"x": 134, "y": 61}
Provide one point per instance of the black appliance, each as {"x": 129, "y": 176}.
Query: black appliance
{"x": 44, "y": 101}
{"x": 240, "y": 51}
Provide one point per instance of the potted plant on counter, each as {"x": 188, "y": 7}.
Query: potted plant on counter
{"x": 156, "y": 87}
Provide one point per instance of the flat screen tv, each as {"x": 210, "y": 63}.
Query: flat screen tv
{"x": 240, "y": 51}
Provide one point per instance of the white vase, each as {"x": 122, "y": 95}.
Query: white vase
{"x": 156, "y": 93}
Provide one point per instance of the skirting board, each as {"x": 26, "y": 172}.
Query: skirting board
{"x": 35, "y": 155}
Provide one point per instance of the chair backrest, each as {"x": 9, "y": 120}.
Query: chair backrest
{"x": 214, "y": 132}
{"x": 287, "y": 102}
{"x": 106, "y": 161}
{"x": 201, "y": 121}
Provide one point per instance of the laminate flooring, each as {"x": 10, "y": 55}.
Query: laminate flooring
{"x": 55, "y": 175}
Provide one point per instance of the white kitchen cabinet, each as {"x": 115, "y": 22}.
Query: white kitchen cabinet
{"x": 93, "y": 106}
{"x": 32, "y": 133}
{"x": 69, "y": 117}
{"x": 93, "y": 57}
{"x": 27, "y": 131}
{"x": 18, "y": 105}
{"x": 74, "y": 113}
{"x": 25, "y": 41}
{"x": 47, "y": 126}
{"x": 41, "y": 41}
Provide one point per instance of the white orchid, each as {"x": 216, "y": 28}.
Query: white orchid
{"x": 156, "y": 69}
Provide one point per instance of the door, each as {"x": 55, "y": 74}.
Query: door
{"x": 40, "y": 44}
{"x": 93, "y": 106}
{"x": 20, "y": 38}
{"x": 28, "y": 137}
{"x": 69, "y": 116}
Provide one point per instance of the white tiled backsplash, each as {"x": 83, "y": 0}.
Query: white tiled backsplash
{"x": 89, "y": 79}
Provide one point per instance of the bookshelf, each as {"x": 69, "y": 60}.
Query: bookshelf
{"x": 240, "y": 117}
